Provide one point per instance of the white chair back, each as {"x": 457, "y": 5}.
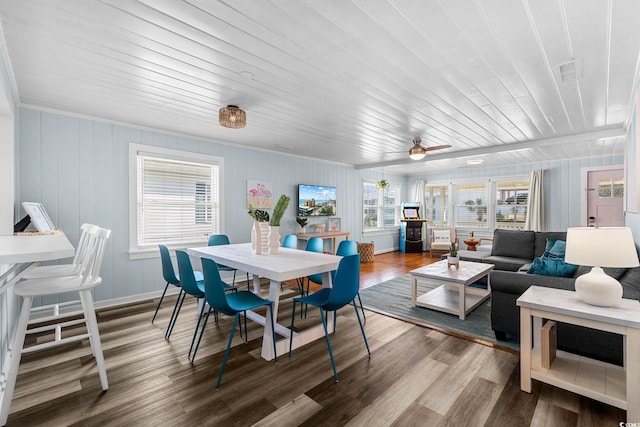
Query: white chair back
{"x": 91, "y": 266}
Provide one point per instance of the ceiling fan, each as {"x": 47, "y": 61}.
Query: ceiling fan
{"x": 417, "y": 152}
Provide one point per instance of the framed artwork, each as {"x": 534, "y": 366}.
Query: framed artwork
{"x": 39, "y": 217}
{"x": 334, "y": 224}
{"x": 259, "y": 195}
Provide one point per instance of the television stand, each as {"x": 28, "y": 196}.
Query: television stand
{"x": 326, "y": 235}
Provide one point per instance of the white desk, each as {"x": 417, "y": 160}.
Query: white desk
{"x": 18, "y": 250}
{"x": 29, "y": 249}
{"x": 288, "y": 264}
{"x": 611, "y": 384}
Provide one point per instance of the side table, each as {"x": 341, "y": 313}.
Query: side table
{"x": 615, "y": 385}
{"x": 471, "y": 244}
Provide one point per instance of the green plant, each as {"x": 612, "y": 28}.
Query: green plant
{"x": 258, "y": 215}
{"x": 278, "y": 211}
{"x": 383, "y": 183}
{"x": 302, "y": 222}
{"x": 454, "y": 249}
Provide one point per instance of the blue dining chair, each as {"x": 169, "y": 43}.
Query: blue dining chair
{"x": 223, "y": 239}
{"x": 192, "y": 287}
{"x": 343, "y": 292}
{"x": 169, "y": 275}
{"x": 314, "y": 244}
{"x": 290, "y": 241}
{"x": 231, "y": 305}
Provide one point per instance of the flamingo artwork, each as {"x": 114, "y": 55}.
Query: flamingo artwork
{"x": 259, "y": 194}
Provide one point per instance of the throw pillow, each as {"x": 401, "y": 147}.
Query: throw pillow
{"x": 549, "y": 245}
{"x": 557, "y": 250}
{"x": 441, "y": 236}
{"x": 552, "y": 267}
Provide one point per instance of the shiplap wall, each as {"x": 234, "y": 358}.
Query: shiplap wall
{"x": 78, "y": 168}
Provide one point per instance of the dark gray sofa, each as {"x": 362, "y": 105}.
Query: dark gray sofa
{"x": 512, "y": 253}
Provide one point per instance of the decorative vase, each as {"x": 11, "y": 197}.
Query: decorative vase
{"x": 274, "y": 239}
{"x": 303, "y": 230}
{"x": 453, "y": 260}
{"x": 260, "y": 237}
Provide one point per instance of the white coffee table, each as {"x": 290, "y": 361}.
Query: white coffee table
{"x": 455, "y": 296}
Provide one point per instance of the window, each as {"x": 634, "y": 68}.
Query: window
{"x": 511, "y": 203}
{"x": 175, "y": 197}
{"x": 436, "y": 205}
{"x": 381, "y": 206}
{"x": 611, "y": 187}
{"x": 470, "y": 205}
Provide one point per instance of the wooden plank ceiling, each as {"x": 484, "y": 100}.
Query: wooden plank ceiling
{"x": 345, "y": 81}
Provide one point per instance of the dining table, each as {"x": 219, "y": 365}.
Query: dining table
{"x": 287, "y": 264}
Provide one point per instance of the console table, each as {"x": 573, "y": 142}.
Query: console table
{"x": 326, "y": 235}
{"x": 615, "y": 385}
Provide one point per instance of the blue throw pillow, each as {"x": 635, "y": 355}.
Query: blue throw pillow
{"x": 552, "y": 267}
{"x": 549, "y": 245}
{"x": 557, "y": 250}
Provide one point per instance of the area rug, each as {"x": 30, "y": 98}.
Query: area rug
{"x": 393, "y": 298}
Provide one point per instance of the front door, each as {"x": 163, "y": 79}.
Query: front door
{"x": 604, "y": 198}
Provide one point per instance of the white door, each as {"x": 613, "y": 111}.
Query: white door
{"x": 605, "y": 193}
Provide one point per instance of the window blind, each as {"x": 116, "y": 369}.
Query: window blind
{"x": 177, "y": 201}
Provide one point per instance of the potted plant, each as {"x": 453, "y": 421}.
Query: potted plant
{"x": 382, "y": 184}
{"x": 453, "y": 258}
{"x": 274, "y": 223}
{"x": 302, "y": 222}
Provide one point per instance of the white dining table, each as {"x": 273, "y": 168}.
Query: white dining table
{"x": 288, "y": 264}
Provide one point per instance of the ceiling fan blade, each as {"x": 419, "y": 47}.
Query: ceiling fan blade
{"x": 436, "y": 147}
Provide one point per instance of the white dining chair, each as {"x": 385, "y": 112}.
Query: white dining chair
{"x": 72, "y": 269}
{"x": 83, "y": 283}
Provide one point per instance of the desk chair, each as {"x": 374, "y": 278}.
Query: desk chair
{"x": 169, "y": 275}
{"x": 231, "y": 305}
{"x": 223, "y": 239}
{"x": 83, "y": 283}
{"x": 343, "y": 292}
{"x": 72, "y": 269}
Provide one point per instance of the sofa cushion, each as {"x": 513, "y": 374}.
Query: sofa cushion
{"x": 631, "y": 284}
{"x": 540, "y": 241}
{"x": 506, "y": 263}
{"x": 513, "y": 244}
{"x": 552, "y": 267}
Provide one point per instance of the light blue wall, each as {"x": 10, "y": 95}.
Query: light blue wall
{"x": 562, "y": 186}
{"x": 78, "y": 169}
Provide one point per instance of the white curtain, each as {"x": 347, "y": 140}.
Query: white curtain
{"x": 418, "y": 196}
{"x": 535, "y": 202}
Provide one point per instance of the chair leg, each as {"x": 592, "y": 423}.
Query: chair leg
{"x": 176, "y": 312}
{"x": 234, "y": 278}
{"x": 362, "y": 328}
{"x": 94, "y": 337}
{"x": 326, "y": 335}
{"x": 364, "y": 317}
{"x": 293, "y": 318}
{"x": 195, "y": 331}
{"x": 160, "y": 302}
{"x": 204, "y": 324}
{"x": 12, "y": 360}
{"x": 246, "y": 334}
{"x": 273, "y": 334}
{"x": 226, "y": 353}
{"x": 248, "y": 283}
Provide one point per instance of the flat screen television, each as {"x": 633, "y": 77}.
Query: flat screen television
{"x": 316, "y": 200}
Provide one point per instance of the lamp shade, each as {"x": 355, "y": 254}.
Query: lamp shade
{"x": 232, "y": 117}
{"x": 601, "y": 247}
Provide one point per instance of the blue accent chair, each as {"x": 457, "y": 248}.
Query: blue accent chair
{"x": 169, "y": 275}
{"x": 223, "y": 239}
{"x": 290, "y": 241}
{"x": 231, "y": 305}
{"x": 343, "y": 292}
{"x": 192, "y": 287}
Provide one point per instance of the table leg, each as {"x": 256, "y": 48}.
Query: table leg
{"x": 632, "y": 367}
{"x": 462, "y": 301}
{"x": 525, "y": 349}
{"x": 256, "y": 284}
{"x": 414, "y": 291}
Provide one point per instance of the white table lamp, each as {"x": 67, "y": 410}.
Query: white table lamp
{"x": 600, "y": 247}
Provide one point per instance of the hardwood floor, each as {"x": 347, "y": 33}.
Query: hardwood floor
{"x": 415, "y": 376}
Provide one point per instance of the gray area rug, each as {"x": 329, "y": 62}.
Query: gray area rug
{"x": 393, "y": 298}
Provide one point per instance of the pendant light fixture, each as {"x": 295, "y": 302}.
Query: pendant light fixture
{"x": 232, "y": 117}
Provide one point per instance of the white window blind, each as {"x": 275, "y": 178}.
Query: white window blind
{"x": 381, "y": 207}
{"x": 177, "y": 197}
{"x": 470, "y": 204}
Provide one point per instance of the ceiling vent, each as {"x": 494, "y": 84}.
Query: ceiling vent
{"x": 569, "y": 71}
